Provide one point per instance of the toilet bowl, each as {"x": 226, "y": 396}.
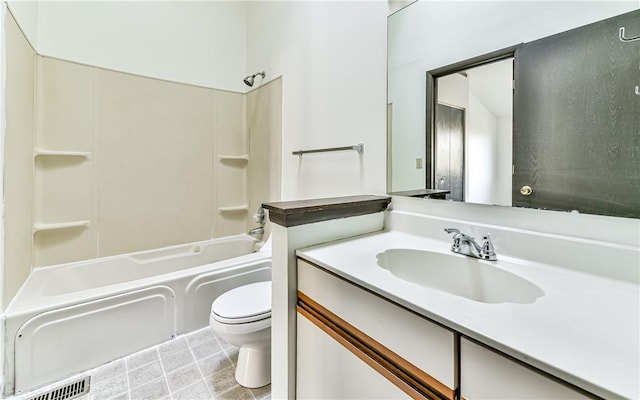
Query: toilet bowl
{"x": 242, "y": 317}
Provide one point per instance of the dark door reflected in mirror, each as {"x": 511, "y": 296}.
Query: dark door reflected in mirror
{"x": 448, "y": 158}
{"x": 577, "y": 130}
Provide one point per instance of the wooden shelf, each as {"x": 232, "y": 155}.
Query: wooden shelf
{"x": 58, "y": 153}
{"x": 300, "y": 212}
{"x": 41, "y": 227}
{"x": 234, "y": 209}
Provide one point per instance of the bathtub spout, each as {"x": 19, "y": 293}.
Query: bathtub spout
{"x": 257, "y": 231}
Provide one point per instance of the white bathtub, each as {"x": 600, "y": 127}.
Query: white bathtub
{"x": 73, "y": 317}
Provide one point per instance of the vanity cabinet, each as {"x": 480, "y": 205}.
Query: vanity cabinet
{"x": 353, "y": 343}
{"x": 485, "y": 374}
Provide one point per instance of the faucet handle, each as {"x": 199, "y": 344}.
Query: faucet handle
{"x": 259, "y": 217}
{"x": 455, "y": 247}
{"x": 487, "y": 252}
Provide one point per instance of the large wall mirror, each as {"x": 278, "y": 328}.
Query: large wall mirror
{"x": 525, "y": 104}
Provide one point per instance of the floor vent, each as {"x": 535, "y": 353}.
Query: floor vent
{"x": 66, "y": 392}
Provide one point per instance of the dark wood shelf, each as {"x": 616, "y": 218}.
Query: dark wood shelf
{"x": 301, "y": 212}
{"x": 428, "y": 193}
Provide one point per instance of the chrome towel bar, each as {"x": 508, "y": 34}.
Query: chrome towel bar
{"x": 358, "y": 147}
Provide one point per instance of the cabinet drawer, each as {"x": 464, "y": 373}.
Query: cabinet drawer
{"x": 422, "y": 343}
{"x": 486, "y": 374}
{"x": 327, "y": 368}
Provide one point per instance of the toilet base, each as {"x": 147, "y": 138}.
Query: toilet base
{"x": 254, "y": 366}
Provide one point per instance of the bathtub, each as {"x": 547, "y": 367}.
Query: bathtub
{"x": 73, "y": 317}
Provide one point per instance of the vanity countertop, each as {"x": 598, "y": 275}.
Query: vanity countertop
{"x": 584, "y": 329}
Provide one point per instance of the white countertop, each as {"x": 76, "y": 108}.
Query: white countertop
{"x": 585, "y": 329}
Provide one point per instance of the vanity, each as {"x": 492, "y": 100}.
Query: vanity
{"x": 390, "y": 312}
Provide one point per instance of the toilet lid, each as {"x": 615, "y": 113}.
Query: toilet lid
{"x": 243, "y": 304}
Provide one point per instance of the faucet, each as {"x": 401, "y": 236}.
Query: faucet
{"x": 258, "y": 218}
{"x": 466, "y": 245}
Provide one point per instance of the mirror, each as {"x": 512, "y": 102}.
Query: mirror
{"x": 567, "y": 152}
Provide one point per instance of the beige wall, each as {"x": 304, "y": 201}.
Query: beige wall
{"x": 264, "y": 119}
{"x": 20, "y": 67}
{"x": 154, "y": 162}
{"x": 230, "y": 165}
{"x": 63, "y": 163}
{"x": 129, "y": 163}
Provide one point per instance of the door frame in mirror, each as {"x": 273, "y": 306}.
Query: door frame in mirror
{"x": 432, "y": 98}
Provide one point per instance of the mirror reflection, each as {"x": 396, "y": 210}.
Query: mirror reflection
{"x": 504, "y": 110}
{"x": 472, "y": 136}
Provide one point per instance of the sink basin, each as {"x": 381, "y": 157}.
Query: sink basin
{"x": 458, "y": 275}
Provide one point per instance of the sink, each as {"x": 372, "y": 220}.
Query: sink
{"x": 463, "y": 276}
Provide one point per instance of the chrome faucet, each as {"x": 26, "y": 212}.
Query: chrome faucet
{"x": 466, "y": 245}
{"x": 258, "y": 218}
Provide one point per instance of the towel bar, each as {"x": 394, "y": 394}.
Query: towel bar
{"x": 358, "y": 147}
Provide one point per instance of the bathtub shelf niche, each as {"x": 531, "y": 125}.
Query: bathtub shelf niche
{"x": 234, "y": 209}
{"x": 41, "y": 227}
{"x": 59, "y": 153}
{"x": 228, "y": 158}
{"x": 62, "y": 212}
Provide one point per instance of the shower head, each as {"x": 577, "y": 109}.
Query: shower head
{"x": 249, "y": 79}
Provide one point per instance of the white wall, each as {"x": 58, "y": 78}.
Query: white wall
{"x": 198, "y": 42}
{"x": 488, "y": 147}
{"x": 424, "y": 37}
{"x": 479, "y": 159}
{"x": 331, "y": 56}
{"x": 453, "y": 90}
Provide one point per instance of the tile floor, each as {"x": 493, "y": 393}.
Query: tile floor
{"x": 196, "y": 366}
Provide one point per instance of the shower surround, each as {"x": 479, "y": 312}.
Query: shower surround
{"x": 100, "y": 163}
{"x": 108, "y": 162}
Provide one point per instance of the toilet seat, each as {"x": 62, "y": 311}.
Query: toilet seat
{"x": 244, "y": 304}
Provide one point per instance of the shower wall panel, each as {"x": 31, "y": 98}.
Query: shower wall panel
{"x": 126, "y": 163}
{"x": 230, "y": 165}
{"x": 18, "y": 159}
{"x": 65, "y": 111}
{"x": 64, "y": 139}
{"x": 104, "y": 162}
{"x": 264, "y": 119}
{"x": 154, "y": 163}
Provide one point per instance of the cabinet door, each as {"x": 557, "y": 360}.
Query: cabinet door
{"x": 486, "y": 374}
{"x": 427, "y": 346}
{"x": 325, "y": 369}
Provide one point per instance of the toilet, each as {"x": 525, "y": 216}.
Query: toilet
{"x": 242, "y": 317}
